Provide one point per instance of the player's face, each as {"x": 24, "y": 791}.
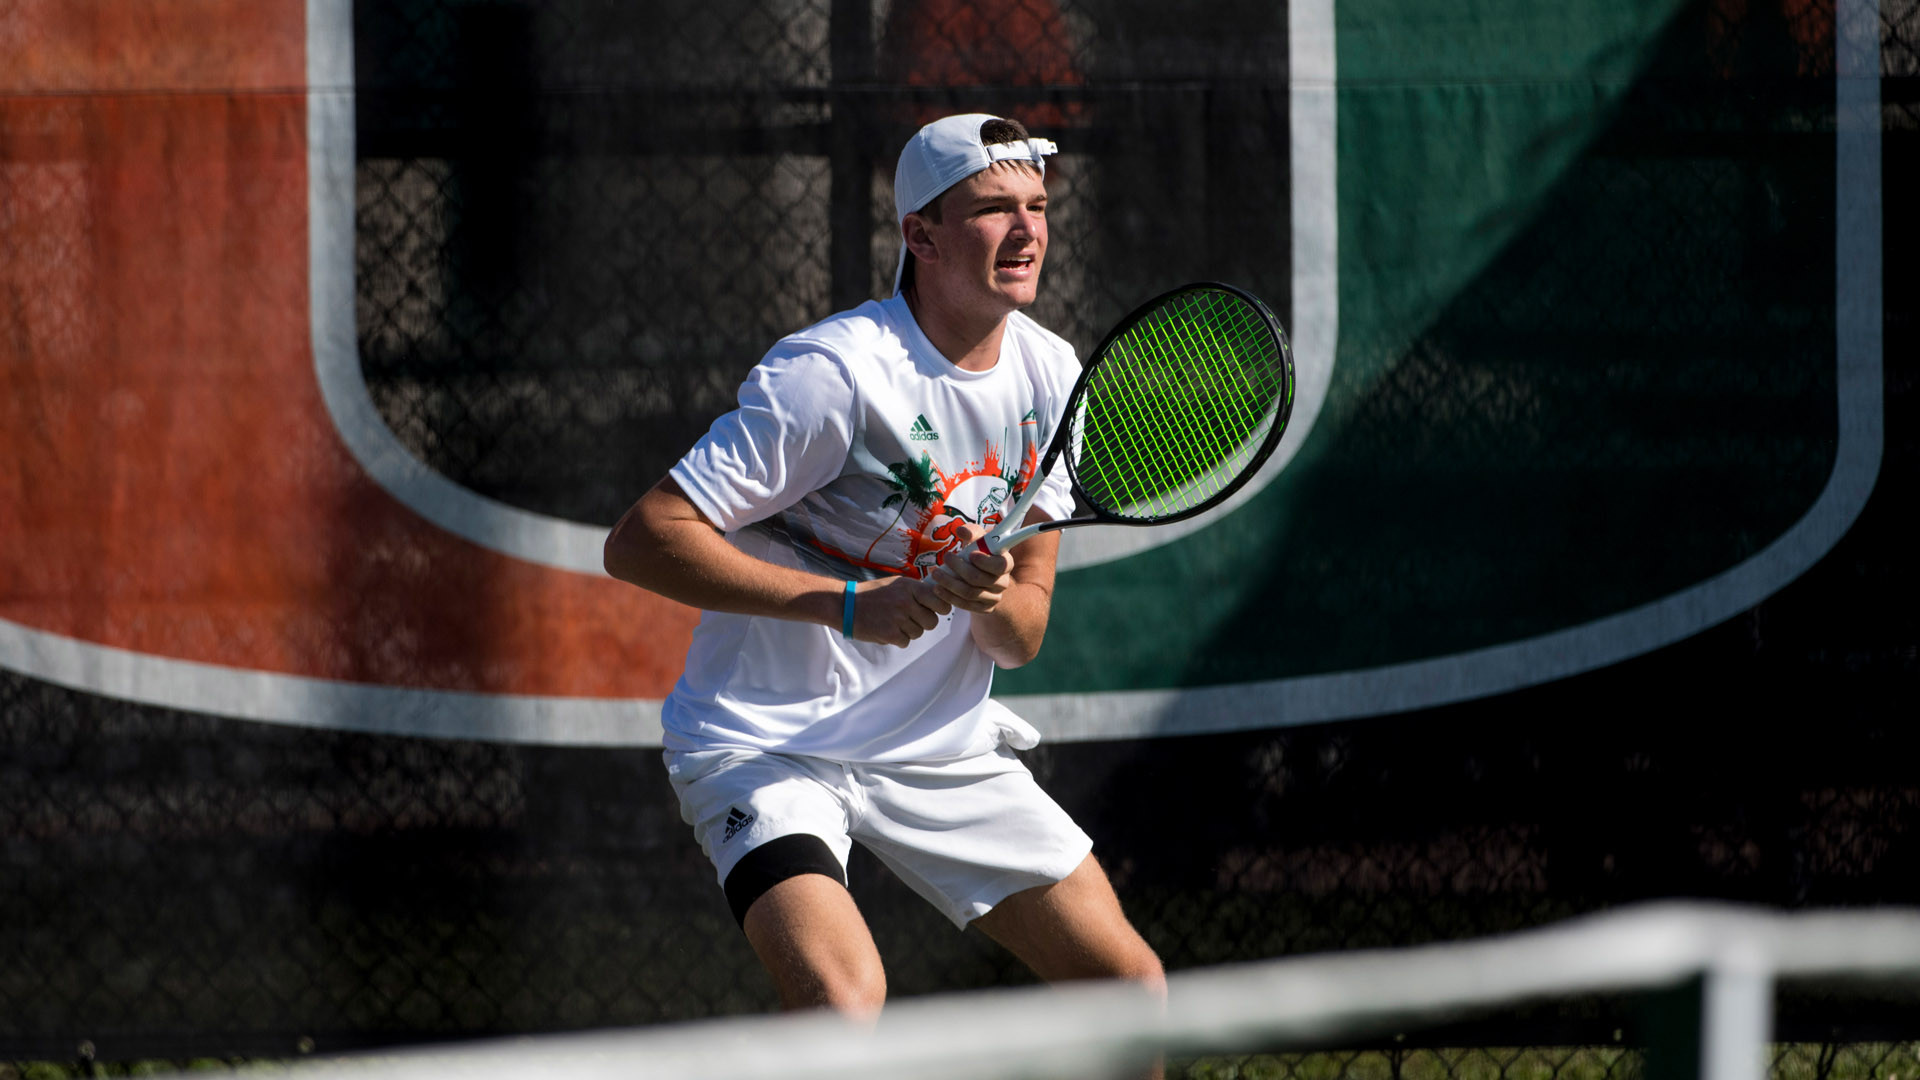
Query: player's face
{"x": 992, "y": 239}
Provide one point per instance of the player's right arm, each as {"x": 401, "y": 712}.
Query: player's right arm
{"x": 664, "y": 544}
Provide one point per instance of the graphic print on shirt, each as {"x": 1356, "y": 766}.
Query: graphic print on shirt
{"x": 931, "y": 503}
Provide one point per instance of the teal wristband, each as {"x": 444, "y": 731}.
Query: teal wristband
{"x": 846, "y": 615}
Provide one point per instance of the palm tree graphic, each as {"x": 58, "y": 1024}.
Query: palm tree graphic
{"x": 912, "y": 482}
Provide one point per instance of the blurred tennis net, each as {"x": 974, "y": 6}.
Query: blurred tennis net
{"x": 1713, "y": 968}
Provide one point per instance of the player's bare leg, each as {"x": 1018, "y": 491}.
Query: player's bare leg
{"x": 1074, "y": 929}
{"x": 816, "y": 945}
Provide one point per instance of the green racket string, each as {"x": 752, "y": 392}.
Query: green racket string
{"x": 1181, "y": 402}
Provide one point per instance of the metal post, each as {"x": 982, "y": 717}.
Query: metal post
{"x": 1736, "y": 1022}
{"x": 852, "y": 153}
{"x": 1712, "y": 1027}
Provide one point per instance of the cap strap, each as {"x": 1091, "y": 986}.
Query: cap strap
{"x": 1030, "y": 150}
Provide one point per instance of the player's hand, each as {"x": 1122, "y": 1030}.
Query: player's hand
{"x": 971, "y": 579}
{"x": 896, "y": 610}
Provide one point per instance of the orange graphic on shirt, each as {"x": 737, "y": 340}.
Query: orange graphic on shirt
{"x": 931, "y": 505}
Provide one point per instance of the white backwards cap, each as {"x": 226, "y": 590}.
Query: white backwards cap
{"x": 944, "y": 153}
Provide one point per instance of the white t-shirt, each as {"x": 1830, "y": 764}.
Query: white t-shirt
{"x": 856, "y": 450}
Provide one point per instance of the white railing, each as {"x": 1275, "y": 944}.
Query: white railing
{"x": 1732, "y": 955}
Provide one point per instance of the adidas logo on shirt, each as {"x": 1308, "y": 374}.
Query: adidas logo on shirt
{"x": 921, "y": 431}
{"x": 736, "y": 820}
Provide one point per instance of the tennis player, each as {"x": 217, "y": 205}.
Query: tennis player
{"x": 837, "y": 686}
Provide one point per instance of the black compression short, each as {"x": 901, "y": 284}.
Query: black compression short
{"x": 774, "y": 862}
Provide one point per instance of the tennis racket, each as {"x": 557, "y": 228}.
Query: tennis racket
{"x": 1177, "y": 409}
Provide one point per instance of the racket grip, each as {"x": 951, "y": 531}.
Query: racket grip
{"x": 979, "y": 545}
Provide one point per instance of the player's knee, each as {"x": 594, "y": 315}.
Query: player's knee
{"x": 1136, "y": 962}
{"x": 1130, "y": 958}
{"x": 1143, "y": 967}
{"x": 845, "y": 982}
{"x": 859, "y": 990}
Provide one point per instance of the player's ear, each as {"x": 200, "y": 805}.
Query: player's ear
{"x": 919, "y": 238}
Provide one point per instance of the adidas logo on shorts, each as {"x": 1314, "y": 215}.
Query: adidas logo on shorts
{"x": 736, "y": 820}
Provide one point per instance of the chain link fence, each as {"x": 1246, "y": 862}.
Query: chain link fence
{"x": 576, "y": 233}
{"x": 1881, "y": 1061}
{"x": 578, "y": 230}
{"x": 1792, "y": 1061}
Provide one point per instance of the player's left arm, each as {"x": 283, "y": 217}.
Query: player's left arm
{"x": 1009, "y": 594}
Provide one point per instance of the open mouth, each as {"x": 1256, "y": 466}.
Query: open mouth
{"x": 1018, "y": 262}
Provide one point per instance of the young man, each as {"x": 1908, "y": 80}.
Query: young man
{"x": 836, "y": 689}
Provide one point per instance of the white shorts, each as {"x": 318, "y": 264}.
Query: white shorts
{"x": 964, "y": 834}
